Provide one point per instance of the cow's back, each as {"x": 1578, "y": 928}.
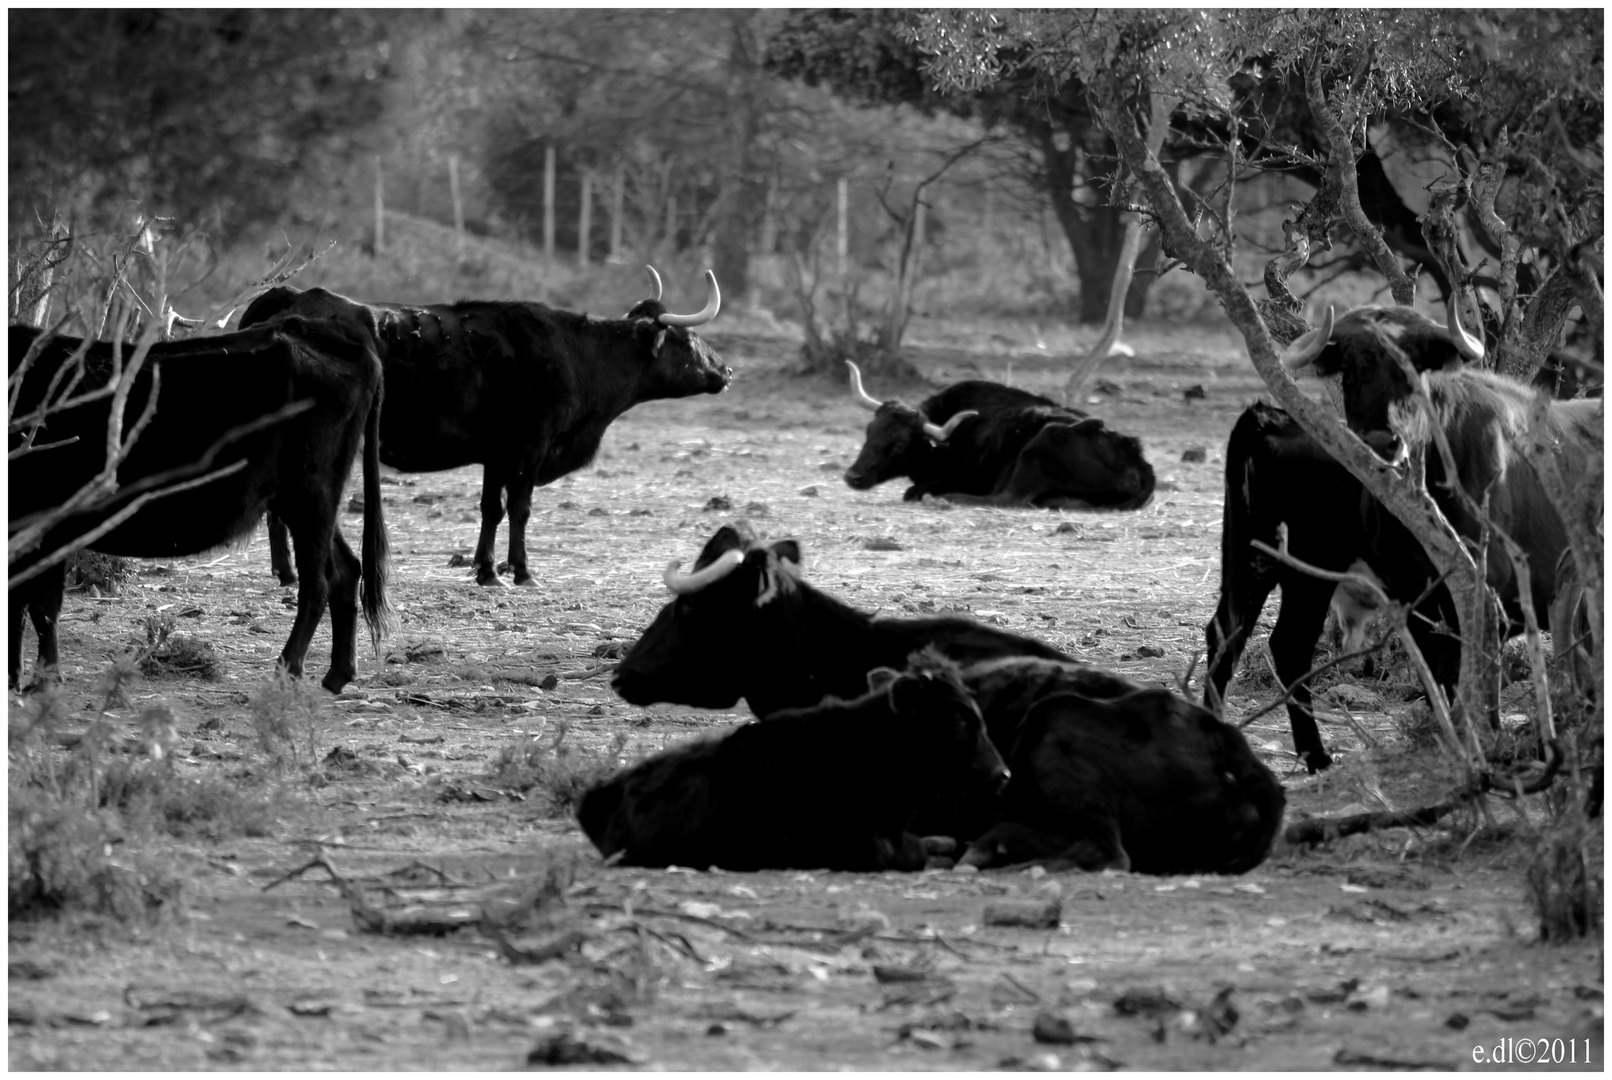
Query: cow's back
{"x": 211, "y": 392}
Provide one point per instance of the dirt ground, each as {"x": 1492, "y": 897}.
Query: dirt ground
{"x": 1396, "y": 950}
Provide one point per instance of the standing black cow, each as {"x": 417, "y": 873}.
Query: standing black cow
{"x": 520, "y": 388}
{"x": 744, "y": 624}
{"x": 1481, "y": 414}
{"x": 984, "y": 444}
{"x": 286, "y": 406}
{"x": 832, "y": 786}
{"x": 1275, "y": 474}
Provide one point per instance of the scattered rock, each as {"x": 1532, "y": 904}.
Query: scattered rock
{"x": 1069, "y": 527}
{"x": 1194, "y": 454}
{"x": 641, "y": 512}
{"x": 1195, "y": 392}
{"x": 355, "y": 505}
{"x": 549, "y": 682}
{"x": 425, "y": 498}
{"x": 1033, "y": 914}
{"x": 456, "y": 559}
{"x": 1107, "y": 386}
{"x": 756, "y": 509}
{"x": 718, "y": 502}
{"x": 598, "y": 511}
{"x": 567, "y": 505}
{"x": 1053, "y": 1029}
{"x": 564, "y": 1048}
{"x": 810, "y": 491}
{"x": 1149, "y": 650}
{"x": 882, "y": 543}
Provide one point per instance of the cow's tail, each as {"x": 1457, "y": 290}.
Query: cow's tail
{"x": 376, "y": 549}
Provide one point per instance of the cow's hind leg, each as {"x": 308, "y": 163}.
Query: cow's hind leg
{"x": 312, "y": 544}
{"x": 41, "y": 598}
{"x": 492, "y": 512}
{"x": 1096, "y": 846}
{"x": 1298, "y": 627}
{"x": 280, "y": 550}
{"x": 343, "y": 571}
{"x": 520, "y": 509}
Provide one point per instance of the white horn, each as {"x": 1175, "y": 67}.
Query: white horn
{"x": 684, "y": 584}
{"x": 863, "y": 398}
{"x": 1470, "y": 348}
{"x": 1302, "y": 352}
{"x": 713, "y": 304}
{"x": 656, "y": 276}
{"x": 941, "y": 434}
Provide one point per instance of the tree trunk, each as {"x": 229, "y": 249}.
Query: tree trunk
{"x": 1096, "y": 234}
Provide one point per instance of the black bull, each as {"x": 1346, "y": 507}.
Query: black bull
{"x": 284, "y": 408}
{"x": 1106, "y": 772}
{"x": 1277, "y": 475}
{"x": 1484, "y": 418}
{"x": 524, "y": 390}
{"x": 985, "y": 444}
{"x": 835, "y": 785}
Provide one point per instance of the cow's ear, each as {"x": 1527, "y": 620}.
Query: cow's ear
{"x": 1089, "y": 426}
{"x": 881, "y": 678}
{"x": 788, "y": 551}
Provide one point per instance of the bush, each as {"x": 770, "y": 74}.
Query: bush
{"x": 62, "y": 858}
{"x": 559, "y": 771}
{"x": 1566, "y": 879}
{"x": 285, "y": 713}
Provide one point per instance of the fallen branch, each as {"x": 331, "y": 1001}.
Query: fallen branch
{"x": 1320, "y": 830}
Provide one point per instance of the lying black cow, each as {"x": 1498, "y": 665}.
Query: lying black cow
{"x": 284, "y": 406}
{"x": 1275, "y": 474}
{"x": 1481, "y": 413}
{"x": 744, "y": 624}
{"x": 795, "y": 645}
{"x": 833, "y": 786}
{"x": 1108, "y": 773}
{"x": 522, "y": 389}
{"x": 984, "y": 444}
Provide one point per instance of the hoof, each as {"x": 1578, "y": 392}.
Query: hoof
{"x": 288, "y": 579}
{"x": 1317, "y": 760}
{"x": 525, "y": 581}
{"x": 491, "y": 581}
{"x": 335, "y": 680}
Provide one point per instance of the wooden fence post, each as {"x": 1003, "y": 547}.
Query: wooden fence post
{"x": 548, "y": 201}
{"x": 585, "y": 225}
{"x": 618, "y": 201}
{"x": 458, "y": 206}
{"x": 380, "y": 209}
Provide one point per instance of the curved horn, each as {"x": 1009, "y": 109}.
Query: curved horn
{"x": 713, "y": 304}
{"x": 941, "y": 434}
{"x": 862, "y": 397}
{"x": 684, "y": 584}
{"x": 656, "y": 276}
{"x": 1302, "y": 352}
{"x": 1470, "y": 348}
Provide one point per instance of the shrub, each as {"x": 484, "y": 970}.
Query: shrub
{"x": 558, "y": 770}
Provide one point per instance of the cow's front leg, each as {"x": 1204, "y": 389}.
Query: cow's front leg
{"x": 492, "y": 512}
{"x": 520, "y": 509}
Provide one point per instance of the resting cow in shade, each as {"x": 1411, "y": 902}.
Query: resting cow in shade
{"x": 522, "y": 389}
{"x": 1482, "y": 415}
{"x": 831, "y": 786}
{"x": 263, "y": 419}
{"x": 984, "y": 444}
{"x": 1107, "y": 773}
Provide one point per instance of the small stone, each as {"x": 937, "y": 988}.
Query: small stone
{"x": 1149, "y": 650}
{"x": 1194, "y": 454}
{"x": 810, "y": 491}
{"x": 1051, "y": 1028}
{"x": 1195, "y": 392}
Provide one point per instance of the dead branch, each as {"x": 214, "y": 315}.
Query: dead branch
{"x": 1320, "y": 830}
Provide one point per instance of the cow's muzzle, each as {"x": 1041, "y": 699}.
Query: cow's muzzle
{"x": 857, "y": 481}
